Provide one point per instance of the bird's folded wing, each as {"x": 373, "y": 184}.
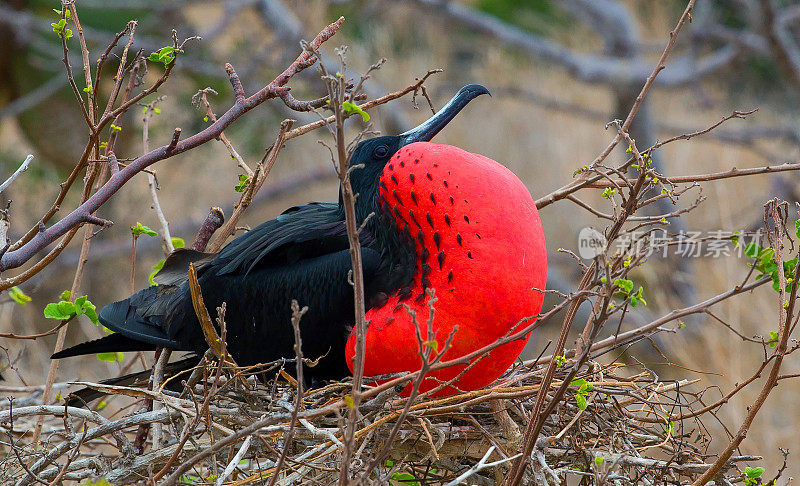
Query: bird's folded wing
{"x": 299, "y": 233}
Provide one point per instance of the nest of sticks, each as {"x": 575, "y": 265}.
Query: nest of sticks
{"x": 234, "y": 429}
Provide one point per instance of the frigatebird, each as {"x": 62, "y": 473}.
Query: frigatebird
{"x": 303, "y": 254}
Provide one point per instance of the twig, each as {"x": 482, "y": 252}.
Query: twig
{"x": 22, "y": 168}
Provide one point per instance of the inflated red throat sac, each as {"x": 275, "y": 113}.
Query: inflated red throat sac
{"x": 481, "y": 248}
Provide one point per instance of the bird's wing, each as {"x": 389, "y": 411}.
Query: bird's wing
{"x": 300, "y": 232}
{"x": 296, "y": 255}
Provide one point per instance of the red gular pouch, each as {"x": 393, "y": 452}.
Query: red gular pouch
{"x": 481, "y": 248}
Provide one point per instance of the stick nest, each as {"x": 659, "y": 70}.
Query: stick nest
{"x": 612, "y": 425}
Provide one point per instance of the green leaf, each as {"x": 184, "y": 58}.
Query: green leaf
{"x": 405, "y": 478}
{"x": 754, "y": 472}
{"x": 90, "y": 310}
{"x": 797, "y": 228}
{"x": 578, "y": 382}
{"x": 60, "y": 28}
{"x": 637, "y": 298}
{"x": 598, "y": 460}
{"x": 88, "y": 89}
{"x": 61, "y": 310}
{"x": 244, "y": 180}
{"x": 156, "y": 268}
{"x": 178, "y": 242}
{"x": 351, "y": 108}
{"x": 624, "y": 285}
{"x": 752, "y": 250}
{"x": 164, "y": 56}
{"x": 18, "y": 296}
{"x": 111, "y": 357}
{"x": 348, "y": 400}
{"x": 608, "y": 192}
{"x": 65, "y": 295}
{"x": 773, "y": 339}
{"x": 432, "y": 344}
{"x": 141, "y": 229}
{"x": 79, "y": 303}
{"x": 581, "y": 401}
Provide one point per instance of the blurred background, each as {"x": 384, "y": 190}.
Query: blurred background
{"x": 558, "y": 70}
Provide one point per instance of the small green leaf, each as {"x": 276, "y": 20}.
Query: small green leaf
{"x": 164, "y": 56}
{"x": 773, "y": 339}
{"x": 608, "y": 192}
{"x": 141, "y": 229}
{"x": 754, "y": 472}
{"x": 581, "y": 401}
{"x": 432, "y": 344}
{"x": 637, "y": 298}
{"x": 61, "y": 310}
{"x": 624, "y": 285}
{"x": 157, "y": 111}
{"x": 351, "y": 108}
{"x": 681, "y": 325}
{"x": 578, "y": 382}
{"x": 65, "y": 295}
{"x": 88, "y": 89}
{"x": 205, "y": 118}
{"x": 598, "y": 461}
{"x": 752, "y": 250}
{"x": 90, "y": 311}
{"x": 112, "y": 357}
{"x": 244, "y": 180}
{"x": 178, "y": 242}
{"x": 156, "y": 268}
{"x": 115, "y": 128}
{"x": 18, "y": 296}
{"x": 348, "y": 400}
{"x": 752, "y": 475}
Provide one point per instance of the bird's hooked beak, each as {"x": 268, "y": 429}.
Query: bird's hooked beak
{"x": 434, "y": 124}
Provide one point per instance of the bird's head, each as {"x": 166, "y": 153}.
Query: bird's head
{"x": 373, "y": 154}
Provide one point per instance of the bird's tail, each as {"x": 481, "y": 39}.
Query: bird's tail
{"x": 111, "y": 343}
{"x": 85, "y": 395}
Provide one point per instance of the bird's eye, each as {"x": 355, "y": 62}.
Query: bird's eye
{"x": 380, "y": 151}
